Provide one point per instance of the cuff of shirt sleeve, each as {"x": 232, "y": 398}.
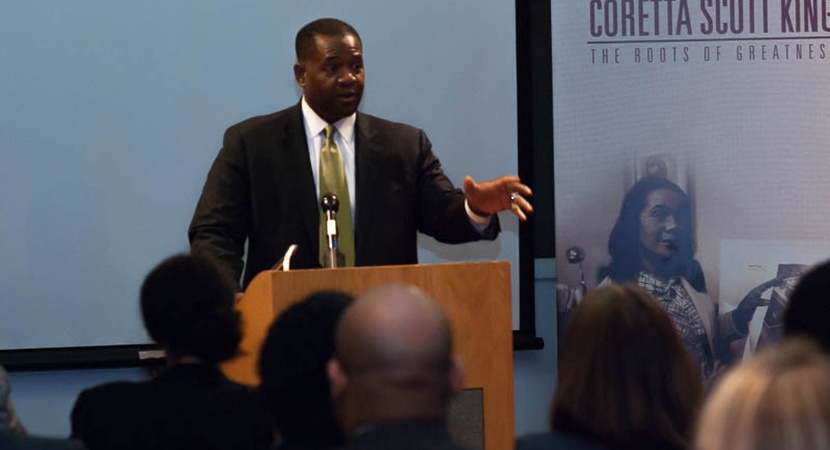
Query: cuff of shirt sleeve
{"x": 479, "y": 222}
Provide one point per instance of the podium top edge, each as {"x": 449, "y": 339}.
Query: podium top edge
{"x": 499, "y": 262}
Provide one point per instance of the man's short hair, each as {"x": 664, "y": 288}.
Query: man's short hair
{"x": 188, "y": 307}
{"x": 305, "y": 45}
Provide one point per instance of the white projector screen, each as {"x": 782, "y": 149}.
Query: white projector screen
{"x": 113, "y": 111}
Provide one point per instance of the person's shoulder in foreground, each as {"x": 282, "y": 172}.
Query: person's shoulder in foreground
{"x": 10, "y": 440}
{"x": 412, "y": 434}
{"x": 187, "y": 403}
{"x": 551, "y": 440}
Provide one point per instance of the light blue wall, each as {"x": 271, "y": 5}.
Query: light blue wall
{"x": 44, "y": 399}
{"x": 534, "y": 372}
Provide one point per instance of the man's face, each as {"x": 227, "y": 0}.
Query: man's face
{"x": 332, "y": 78}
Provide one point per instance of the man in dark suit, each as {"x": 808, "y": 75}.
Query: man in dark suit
{"x": 264, "y": 185}
{"x": 393, "y": 372}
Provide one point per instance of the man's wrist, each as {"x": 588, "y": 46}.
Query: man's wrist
{"x": 475, "y": 217}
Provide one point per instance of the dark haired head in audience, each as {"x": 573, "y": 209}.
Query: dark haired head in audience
{"x": 292, "y": 367}
{"x": 626, "y": 380}
{"x": 808, "y": 312}
{"x": 188, "y": 308}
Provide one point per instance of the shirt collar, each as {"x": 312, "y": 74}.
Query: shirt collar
{"x": 654, "y": 284}
{"x": 315, "y": 124}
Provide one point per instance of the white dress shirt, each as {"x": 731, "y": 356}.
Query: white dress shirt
{"x": 315, "y": 133}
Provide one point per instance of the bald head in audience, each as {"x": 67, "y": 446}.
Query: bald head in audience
{"x": 393, "y": 359}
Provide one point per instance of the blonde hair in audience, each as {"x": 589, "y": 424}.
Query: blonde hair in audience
{"x": 779, "y": 400}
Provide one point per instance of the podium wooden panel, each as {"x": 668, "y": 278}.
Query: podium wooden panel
{"x": 476, "y": 297}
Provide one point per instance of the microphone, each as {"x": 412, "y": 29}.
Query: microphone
{"x": 285, "y": 262}
{"x": 332, "y": 258}
{"x": 575, "y": 255}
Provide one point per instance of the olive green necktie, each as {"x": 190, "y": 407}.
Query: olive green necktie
{"x": 333, "y": 181}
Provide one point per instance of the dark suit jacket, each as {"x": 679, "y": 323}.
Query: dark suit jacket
{"x": 564, "y": 441}
{"x": 187, "y": 406}
{"x": 556, "y": 441}
{"x": 403, "y": 435}
{"x": 261, "y": 187}
{"x": 11, "y": 440}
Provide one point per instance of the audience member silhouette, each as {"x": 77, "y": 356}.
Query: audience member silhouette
{"x": 8, "y": 417}
{"x": 394, "y": 373}
{"x": 292, "y": 369}
{"x": 10, "y": 440}
{"x": 808, "y": 311}
{"x": 188, "y": 308}
{"x": 626, "y": 381}
{"x": 12, "y": 434}
{"x": 778, "y": 400}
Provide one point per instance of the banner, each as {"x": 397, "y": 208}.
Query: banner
{"x": 723, "y": 100}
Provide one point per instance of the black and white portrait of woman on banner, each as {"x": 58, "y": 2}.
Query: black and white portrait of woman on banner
{"x": 652, "y": 243}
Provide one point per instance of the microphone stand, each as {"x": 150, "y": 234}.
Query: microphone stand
{"x": 332, "y": 257}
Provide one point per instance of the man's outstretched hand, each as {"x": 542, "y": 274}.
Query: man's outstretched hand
{"x": 502, "y": 194}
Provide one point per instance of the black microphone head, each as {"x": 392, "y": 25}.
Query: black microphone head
{"x": 575, "y": 254}
{"x": 329, "y": 202}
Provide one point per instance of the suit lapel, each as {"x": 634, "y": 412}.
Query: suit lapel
{"x": 367, "y": 149}
{"x": 295, "y": 145}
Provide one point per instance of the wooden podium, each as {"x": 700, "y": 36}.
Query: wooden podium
{"x": 476, "y": 297}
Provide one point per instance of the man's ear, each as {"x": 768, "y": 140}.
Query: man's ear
{"x": 299, "y": 74}
{"x": 456, "y": 376}
{"x": 338, "y": 379}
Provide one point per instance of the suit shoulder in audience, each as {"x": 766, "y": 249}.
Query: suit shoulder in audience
{"x": 10, "y": 440}
{"x": 556, "y": 441}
